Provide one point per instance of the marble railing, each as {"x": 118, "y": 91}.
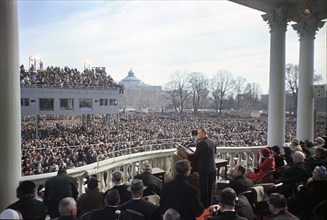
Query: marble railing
{"x": 159, "y": 155}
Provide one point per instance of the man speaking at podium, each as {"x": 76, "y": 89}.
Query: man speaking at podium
{"x": 205, "y": 156}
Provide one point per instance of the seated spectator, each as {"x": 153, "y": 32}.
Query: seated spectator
{"x": 240, "y": 182}
{"x": 67, "y": 209}
{"x": 153, "y": 183}
{"x": 267, "y": 164}
{"x": 27, "y": 205}
{"x": 318, "y": 159}
{"x": 171, "y": 214}
{"x": 293, "y": 174}
{"x": 311, "y": 194}
{"x": 226, "y": 209}
{"x": 148, "y": 209}
{"x": 91, "y": 199}
{"x": 110, "y": 211}
{"x": 243, "y": 207}
{"x": 117, "y": 178}
{"x": 279, "y": 160}
{"x": 287, "y": 153}
{"x": 278, "y": 207}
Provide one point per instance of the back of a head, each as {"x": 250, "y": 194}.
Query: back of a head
{"x": 298, "y": 156}
{"x": 66, "y": 205}
{"x": 112, "y": 197}
{"x": 228, "y": 197}
{"x": 171, "y": 214}
{"x": 182, "y": 166}
{"x": 62, "y": 171}
{"x": 26, "y": 189}
{"x": 241, "y": 169}
{"x": 117, "y": 176}
{"x": 147, "y": 167}
{"x": 278, "y": 200}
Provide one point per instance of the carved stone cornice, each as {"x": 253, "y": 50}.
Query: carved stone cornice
{"x": 277, "y": 19}
{"x": 308, "y": 27}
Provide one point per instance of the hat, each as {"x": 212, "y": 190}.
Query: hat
{"x": 295, "y": 141}
{"x": 136, "y": 186}
{"x": 278, "y": 200}
{"x": 286, "y": 145}
{"x": 320, "y": 140}
{"x": 228, "y": 197}
{"x": 92, "y": 183}
{"x": 276, "y": 149}
{"x": 265, "y": 150}
{"x": 25, "y": 188}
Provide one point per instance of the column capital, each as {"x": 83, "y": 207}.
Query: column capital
{"x": 277, "y": 19}
{"x": 308, "y": 26}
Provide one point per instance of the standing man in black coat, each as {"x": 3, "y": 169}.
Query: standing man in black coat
{"x": 180, "y": 195}
{"x": 205, "y": 155}
{"x": 153, "y": 183}
{"x": 57, "y": 188}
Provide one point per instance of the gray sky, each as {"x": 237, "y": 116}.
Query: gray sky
{"x": 155, "y": 38}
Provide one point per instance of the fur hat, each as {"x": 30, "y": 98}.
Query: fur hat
{"x": 276, "y": 149}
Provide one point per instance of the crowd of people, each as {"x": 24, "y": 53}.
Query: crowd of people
{"x": 64, "y": 141}
{"x": 65, "y": 77}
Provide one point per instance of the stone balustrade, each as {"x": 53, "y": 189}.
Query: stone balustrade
{"x": 158, "y": 155}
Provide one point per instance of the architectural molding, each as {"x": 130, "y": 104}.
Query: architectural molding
{"x": 277, "y": 19}
{"x": 308, "y": 26}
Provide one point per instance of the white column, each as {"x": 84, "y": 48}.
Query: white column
{"x": 277, "y": 21}
{"x": 306, "y": 28}
{"x": 10, "y": 115}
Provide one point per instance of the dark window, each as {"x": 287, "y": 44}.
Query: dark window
{"x": 85, "y": 104}
{"x": 112, "y": 102}
{"x": 46, "y": 104}
{"x": 25, "y": 102}
{"x": 104, "y": 102}
{"x": 67, "y": 104}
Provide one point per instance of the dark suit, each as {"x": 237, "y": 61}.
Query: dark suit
{"x": 283, "y": 215}
{"x": 240, "y": 184}
{"x": 57, "y": 188}
{"x": 180, "y": 195}
{"x": 124, "y": 194}
{"x": 148, "y": 209}
{"x": 243, "y": 208}
{"x": 205, "y": 156}
{"x": 30, "y": 208}
{"x": 106, "y": 213}
{"x": 228, "y": 215}
{"x": 153, "y": 183}
{"x": 292, "y": 175}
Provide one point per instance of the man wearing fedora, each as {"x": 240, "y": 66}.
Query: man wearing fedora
{"x": 153, "y": 183}
{"x": 91, "y": 199}
{"x": 148, "y": 209}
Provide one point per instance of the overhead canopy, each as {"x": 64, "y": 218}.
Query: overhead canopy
{"x": 295, "y": 8}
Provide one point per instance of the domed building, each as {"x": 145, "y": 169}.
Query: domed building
{"x": 139, "y": 95}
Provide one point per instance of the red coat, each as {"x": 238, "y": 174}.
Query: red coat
{"x": 265, "y": 166}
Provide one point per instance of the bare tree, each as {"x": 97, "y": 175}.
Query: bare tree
{"x": 177, "y": 90}
{"x": 252, "y": 94}
{"x": 292, "y": 77}
{"x": 239, "y": 86}
{"x": 221, "y": 88}
{"x": 198, "y": 85}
